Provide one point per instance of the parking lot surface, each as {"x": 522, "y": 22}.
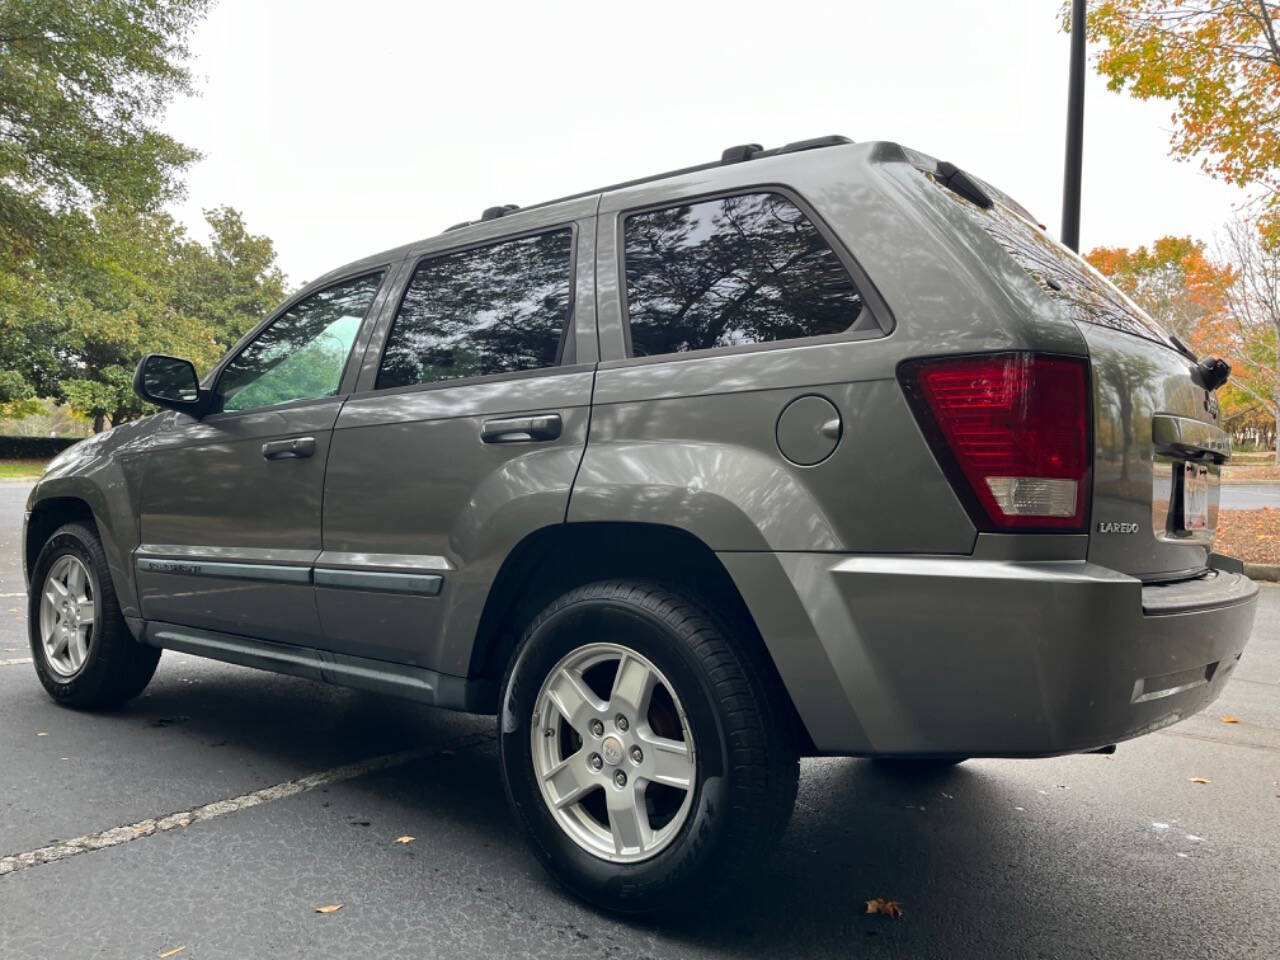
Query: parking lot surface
{"x": 1086, "y": 856}
{"x": 1250, "y": 496}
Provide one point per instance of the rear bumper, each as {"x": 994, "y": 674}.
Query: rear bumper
{"x": 930, "y": 655}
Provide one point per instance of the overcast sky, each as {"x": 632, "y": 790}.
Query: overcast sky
{"x": 341, "y": 129}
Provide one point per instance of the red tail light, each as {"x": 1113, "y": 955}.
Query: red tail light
{"x": 1012, "y": 432}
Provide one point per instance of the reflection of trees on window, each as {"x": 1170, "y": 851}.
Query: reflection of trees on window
{"x": 302, "y": 354}
{"x": 746, "y": 269}
{"x": 495, "y": 309}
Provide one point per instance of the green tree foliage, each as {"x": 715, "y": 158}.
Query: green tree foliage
{"x": 82, "y": 83}
{"x": 138, "y": 284}
{"x": 92, "y": 273}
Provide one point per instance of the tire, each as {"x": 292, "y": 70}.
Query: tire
{"x": 739, "y": 749}
{"x": 115, "y": 668}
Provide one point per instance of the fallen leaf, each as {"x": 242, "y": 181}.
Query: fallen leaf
{"x": 405, "y": 839}
{"x": 1227, "y": 718}
{"x": 330, "y": 908}
{"x": 889, "y": 908}
{"x": 172, "y": 953}
{"x": 1201, "y": 780}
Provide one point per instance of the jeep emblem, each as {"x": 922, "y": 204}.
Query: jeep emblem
{"x": 1117, "y": 526}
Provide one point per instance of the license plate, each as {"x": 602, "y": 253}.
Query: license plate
{"x": 1195, "y": 497}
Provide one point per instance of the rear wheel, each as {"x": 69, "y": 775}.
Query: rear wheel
{"x": 647, "y": 756}
{"x": 83, "y": 651}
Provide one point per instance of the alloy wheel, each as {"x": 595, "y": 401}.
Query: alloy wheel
{"x": 613, "y": 753}
{"x": 67, "y": 613}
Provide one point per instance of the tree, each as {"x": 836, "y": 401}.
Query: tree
{"x": 232, "y": 279}
{"x": 1218, "y": 63}
{"x": 1247, "y": 333}
{"x": 82, "y": 83}
{"x": 140, "y": 285}
{"x": 1174, "y": 281}
{"x": 1227, "y": 305}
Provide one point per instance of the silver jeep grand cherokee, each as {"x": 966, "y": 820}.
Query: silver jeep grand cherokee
{"x": 825, "y": 449}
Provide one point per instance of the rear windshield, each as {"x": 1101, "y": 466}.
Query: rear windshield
{"x": 1088, "y": 296}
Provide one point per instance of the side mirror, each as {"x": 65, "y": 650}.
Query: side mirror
{"x": 170, "y": 382}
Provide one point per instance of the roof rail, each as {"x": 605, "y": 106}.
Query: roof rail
{"x": 736, "y": 154}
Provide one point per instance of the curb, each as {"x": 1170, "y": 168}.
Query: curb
{"x": 1262, "y": 571}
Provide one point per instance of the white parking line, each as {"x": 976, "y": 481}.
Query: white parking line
{"x": 184, "y": 818}
{"x": 14, "y": 661}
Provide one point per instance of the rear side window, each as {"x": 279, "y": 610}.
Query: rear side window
{"x": 494, "y": 309}
{"x": 731, "y": 271}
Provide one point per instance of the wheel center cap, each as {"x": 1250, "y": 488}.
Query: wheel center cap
{"x": 611, "y": 750}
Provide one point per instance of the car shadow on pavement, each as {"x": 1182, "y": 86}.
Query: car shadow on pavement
{"x": 975, "y": 872}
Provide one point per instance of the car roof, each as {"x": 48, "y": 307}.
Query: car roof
{"x": 510, "y": 214}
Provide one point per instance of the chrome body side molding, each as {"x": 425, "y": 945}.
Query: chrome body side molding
{"x": 269, "y": 573}
{"x": 376, "y": 572}
{"x": 385, "y": 582}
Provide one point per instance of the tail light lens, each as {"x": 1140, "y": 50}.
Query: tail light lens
{"x": 1012, "y": 432}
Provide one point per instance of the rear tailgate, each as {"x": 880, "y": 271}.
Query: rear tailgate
{"x": 1158, "y": 450}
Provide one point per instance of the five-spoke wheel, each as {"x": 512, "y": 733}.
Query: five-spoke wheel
{"x": 648, "y": 754}
{"x": 84, "y": 652}
{"x": 66, "y": 615}
{"x": 613, "y": 752}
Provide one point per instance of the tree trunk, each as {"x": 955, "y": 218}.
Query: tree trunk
{"x": 99, "y": 422}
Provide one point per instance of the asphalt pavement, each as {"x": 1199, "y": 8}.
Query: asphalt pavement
{"x": 1249, "y": 496}
{"x": 1087, "y": 856}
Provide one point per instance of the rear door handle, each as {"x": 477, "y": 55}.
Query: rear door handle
{"x": 540, "y": 426}
{"x": 295, "y": 448}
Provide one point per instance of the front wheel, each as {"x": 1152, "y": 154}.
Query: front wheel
{"x": 647, "y": 756}
{"x": 83, "y": 651}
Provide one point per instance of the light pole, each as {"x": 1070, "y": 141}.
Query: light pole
{"x": 1075, "y": 131}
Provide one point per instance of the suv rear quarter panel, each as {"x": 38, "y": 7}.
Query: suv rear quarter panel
{"x": 689, "y": 439}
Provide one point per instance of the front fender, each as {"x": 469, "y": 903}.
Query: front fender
{"x": 102, "y": 472}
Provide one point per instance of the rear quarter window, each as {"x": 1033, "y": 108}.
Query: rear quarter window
{"x": 730, "y": 271}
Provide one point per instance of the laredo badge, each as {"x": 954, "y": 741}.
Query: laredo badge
{"x": 1117, "y": 526}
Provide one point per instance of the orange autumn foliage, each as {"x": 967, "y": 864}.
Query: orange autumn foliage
{"x": 1218, "y": 63}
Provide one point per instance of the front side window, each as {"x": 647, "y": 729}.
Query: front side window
{"x": 302, "y": 354}
{"x": 495, "y": 309}
{"x": 731, "y": 271}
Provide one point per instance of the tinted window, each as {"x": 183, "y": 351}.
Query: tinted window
{"x": 746, "y": 269}
{"x": 302, "y": 353}
{"x": 495, "y": 309}
{"x": 1088, "y": 295}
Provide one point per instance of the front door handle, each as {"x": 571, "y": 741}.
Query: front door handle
{"x": 295, "y": 448}
{"x": 540, "y": 426}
